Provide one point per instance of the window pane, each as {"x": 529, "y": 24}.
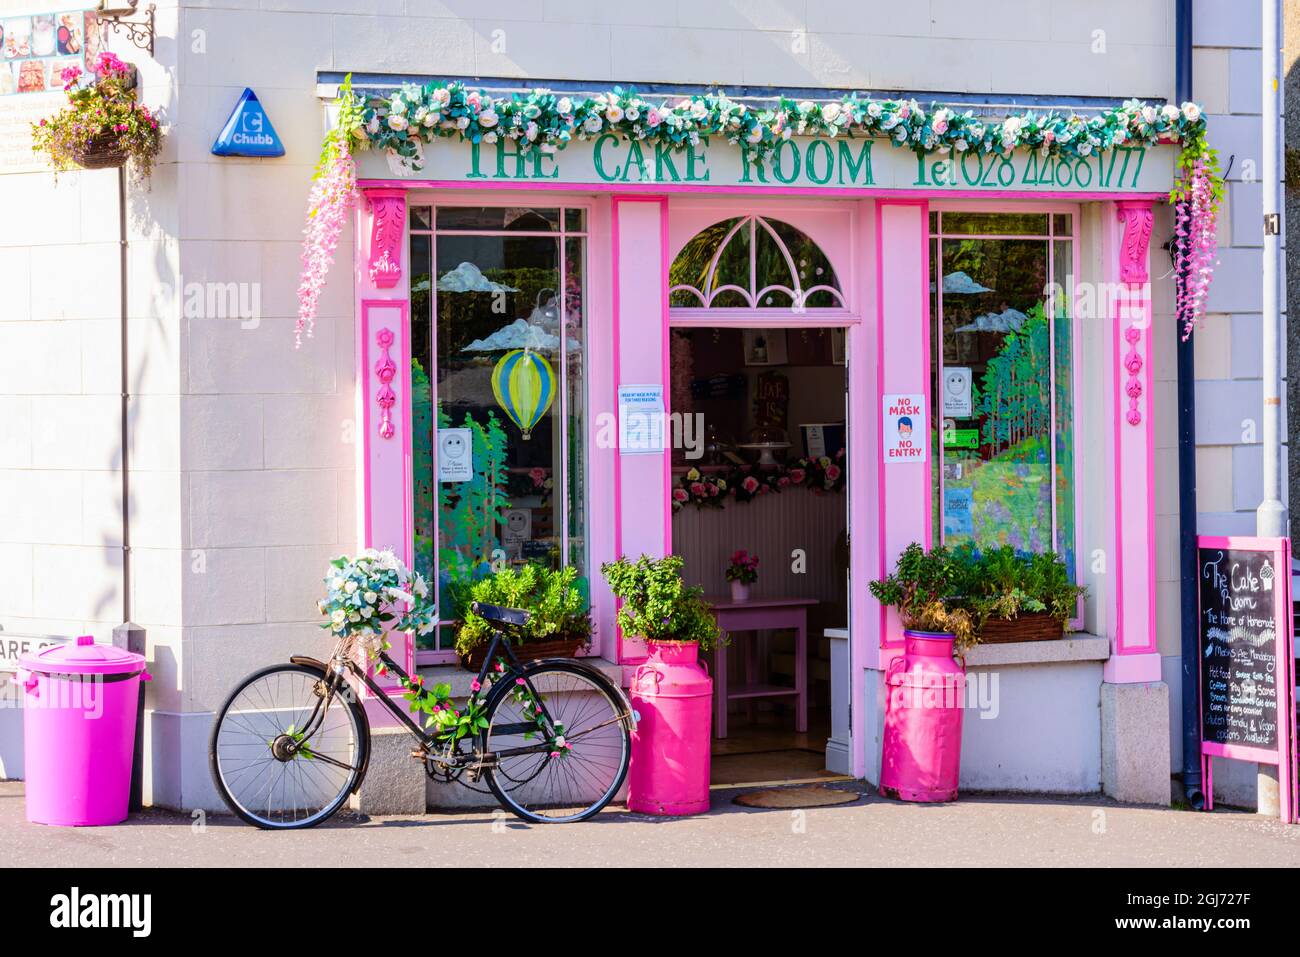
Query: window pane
{"x": 997, "y": 224}
{"x": 575, "y": 220}
{"x": 498, "y": 331}
{"x": 421, "y": 217}
{"x": 422, "y": 483}
{"x": 691, "y": 267}
{"x": 1063, "y": 343}
{"x": 575, "y": 298}
{"x": 1062, "y": 224}
{"x": 810, "y": 264}
{"x": 997, "y": 484}
{"x": 753, "y": 263}
{"x": 511, "y": 218}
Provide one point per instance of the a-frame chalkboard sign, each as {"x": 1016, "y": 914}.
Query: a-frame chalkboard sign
{"x": 1246, "y": 664}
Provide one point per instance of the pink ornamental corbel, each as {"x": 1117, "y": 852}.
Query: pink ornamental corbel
{"x": 1137, "y": 220}
{"x": 385, "y": 370}
{"x": 387, "y": 225}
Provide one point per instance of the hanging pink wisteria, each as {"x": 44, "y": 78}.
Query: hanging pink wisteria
{"x": 1196, "y": 196}
{"x": 333, "y": 195}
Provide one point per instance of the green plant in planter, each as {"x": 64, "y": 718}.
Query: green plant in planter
{"x": 554, "y": 598}
{"x": 657, "y": 604}
{"x": 1003, "y": 583}
{"x": 927, "y": 589}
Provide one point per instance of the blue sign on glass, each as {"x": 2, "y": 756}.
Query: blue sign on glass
{"x": 248, "y": 132}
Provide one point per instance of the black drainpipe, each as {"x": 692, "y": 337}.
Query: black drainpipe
{"x": 1187, "y": 476}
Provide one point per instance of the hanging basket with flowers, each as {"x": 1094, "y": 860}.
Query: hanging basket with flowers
{"x": 103, "y": 126}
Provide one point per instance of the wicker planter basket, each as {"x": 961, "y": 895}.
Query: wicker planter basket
{"x": 1035, "y": 626}
{"x": 563, "y": 648}
{"x": 103, "y": 153}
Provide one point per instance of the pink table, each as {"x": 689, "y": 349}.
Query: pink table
{"x": 753, "y": 616}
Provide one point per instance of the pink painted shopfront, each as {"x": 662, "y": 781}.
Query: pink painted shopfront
{"x": 891, "y": 349}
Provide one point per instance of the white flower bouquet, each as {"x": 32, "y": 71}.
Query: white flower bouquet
{"x": 369, "y": 594}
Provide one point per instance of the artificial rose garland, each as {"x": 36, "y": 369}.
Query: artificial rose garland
{"x": 744, "y": 483}
{"x": 413, "y": 115}
{"x": 401, "y": 123}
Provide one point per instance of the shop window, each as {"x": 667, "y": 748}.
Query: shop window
{"x": 1003, "y": 361}
{"x": 498, "y": 389}
{"x": 753, "y": 262}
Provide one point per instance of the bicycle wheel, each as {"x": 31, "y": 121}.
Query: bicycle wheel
{"x": 266, "y": 770}
{"x": 547, "y": 784}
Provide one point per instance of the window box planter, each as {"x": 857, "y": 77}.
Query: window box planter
{"x": 560, "y": 648}
{"x": 1029, "y": 626}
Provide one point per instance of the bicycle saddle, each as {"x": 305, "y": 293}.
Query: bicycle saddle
{"x": 499, "y": 616}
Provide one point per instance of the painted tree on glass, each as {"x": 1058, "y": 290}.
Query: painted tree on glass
{"x": 1015, "y": 391}
{"x": 470, "y": 512}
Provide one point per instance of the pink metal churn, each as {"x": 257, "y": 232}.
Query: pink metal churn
{"x": 925, "y": 690}
{"x": 673, "y": 697}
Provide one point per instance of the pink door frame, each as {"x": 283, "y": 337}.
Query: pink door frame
{"x": 629, "y": 280}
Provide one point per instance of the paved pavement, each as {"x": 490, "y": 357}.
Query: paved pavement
{"x": 872, "y": 832}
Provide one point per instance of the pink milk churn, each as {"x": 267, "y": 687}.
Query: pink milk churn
{"x": 673, "y": 697}
{"x": 79, "y": 713}
{"x": 925, "y": 689}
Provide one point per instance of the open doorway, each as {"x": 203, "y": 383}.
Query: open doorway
{"x": 766, "y": 478}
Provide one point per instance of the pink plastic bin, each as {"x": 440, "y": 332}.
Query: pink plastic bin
{"x": 79, "y": 713}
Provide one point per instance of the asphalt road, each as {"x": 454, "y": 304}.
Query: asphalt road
{"x": 979, "y": 831}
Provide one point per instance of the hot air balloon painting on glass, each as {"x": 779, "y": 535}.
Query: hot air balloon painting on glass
{"x": 524, "y": 385}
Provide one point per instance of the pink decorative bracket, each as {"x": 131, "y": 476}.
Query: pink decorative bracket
{"x": 1137, "y": 217}
{"x": 385, "y": 370}
{"x": 1133, "y": 365}
{"x": 387, "y": 225}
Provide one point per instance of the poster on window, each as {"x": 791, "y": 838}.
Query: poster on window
{"x": 455, "y": 455}
{"x": 640, "y": 419}
{"x": 957, "y": 392}
{"x": 905, "y": 428}
{"x": 517, "y": 530}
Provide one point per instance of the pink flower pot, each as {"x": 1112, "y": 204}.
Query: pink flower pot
{"x": 739, "y": 591}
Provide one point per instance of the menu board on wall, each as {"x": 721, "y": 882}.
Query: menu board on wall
{"x": 35, "y": 49}
{"x": 1247, "y": 707}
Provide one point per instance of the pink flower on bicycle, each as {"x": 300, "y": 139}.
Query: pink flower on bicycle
{"x": 474, "y": 685}
{"x": 519, "y": 681}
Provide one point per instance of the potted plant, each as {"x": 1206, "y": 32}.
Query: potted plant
{"x": 742, "y": 572}
{"x": 1016, "y": 596}
{"x": 659, "y": 607}
{"x": 102, "y": 126}
{"x": 560, "y": 622}
{"x": 926, "y": 588}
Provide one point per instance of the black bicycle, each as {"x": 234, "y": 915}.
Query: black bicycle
{"x": 550, "y": 738}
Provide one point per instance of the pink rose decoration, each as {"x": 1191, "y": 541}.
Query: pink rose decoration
{"x": 750, "y": 484}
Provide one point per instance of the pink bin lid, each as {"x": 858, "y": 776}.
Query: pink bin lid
{"x": 82, "y": 657}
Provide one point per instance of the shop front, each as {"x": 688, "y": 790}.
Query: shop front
{"x": 853, "y": 346}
